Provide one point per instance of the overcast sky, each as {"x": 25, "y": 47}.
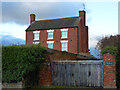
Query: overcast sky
{"x": 101, "y": 17}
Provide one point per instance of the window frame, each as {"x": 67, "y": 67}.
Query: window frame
{"x": 64, "y": 41}
{"x": 36, "y": 32}
{"x": 64, "y": 30}
{"x": 50, "y": 42}
{"x": 50, "y": 31}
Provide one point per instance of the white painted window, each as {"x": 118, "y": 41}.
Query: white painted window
{"x": 64, "y": 45}
{"x": 50, "y": 34}
{"x": 36, "y": 35}
{"x": 64, "y": 33}
{"x": 50, "y": 44}
{"x": 36, "y": 42}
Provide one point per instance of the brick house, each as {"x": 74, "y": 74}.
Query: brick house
{"x": 64, "y": 34}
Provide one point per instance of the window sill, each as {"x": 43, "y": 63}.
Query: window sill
{"x": 49, "y": 38}
{"x": 63, "y": 37}
{"x": 35, "y": 39}
{"x": 36, "y": 42}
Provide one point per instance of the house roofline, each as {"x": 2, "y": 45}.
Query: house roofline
{"x": 52, "y": 28}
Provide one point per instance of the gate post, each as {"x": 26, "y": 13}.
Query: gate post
{"x": 109, "y": 71}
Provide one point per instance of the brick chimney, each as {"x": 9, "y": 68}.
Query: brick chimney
{"x": 82, "y": 15}
{"x": 32, "y": 18}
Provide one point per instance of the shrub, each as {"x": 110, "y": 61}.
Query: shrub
{"x": 110, "y": 49}
{"x": 19, "y": 61}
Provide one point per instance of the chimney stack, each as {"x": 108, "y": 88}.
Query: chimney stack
{"x": 82, "y": 15}
{"x": 32, "y": 18}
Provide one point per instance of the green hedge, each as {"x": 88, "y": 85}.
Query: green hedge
{"x": 20, "y": 61}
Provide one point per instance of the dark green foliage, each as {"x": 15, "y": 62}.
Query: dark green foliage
{"x": 20, "y": 61}
{"x": 110, "y": 49}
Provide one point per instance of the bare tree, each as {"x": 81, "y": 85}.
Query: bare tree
{"x": 108, "y": 41}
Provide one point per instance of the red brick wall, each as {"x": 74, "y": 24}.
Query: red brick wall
{"x": 85, "y": 39}
{"x": 57, "y": 38}
{"x": 29, "y": 37}
{"x": 59, "y": 55}
{"x": 72, "y": 39}
{"x": 76, "y": 43}
{"x": 109, "y": 71}
{"x": 45, "y": 75}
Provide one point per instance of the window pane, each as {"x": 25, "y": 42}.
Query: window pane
{"x": 50, "y": 35}
{"x": 36, "y": 36}
{"x": 64, "y": 34}
{"x": 64, "y": 46}
{"x": 50, "y": 45}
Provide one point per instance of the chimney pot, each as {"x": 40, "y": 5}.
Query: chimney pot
{"x": 32, "y": 18}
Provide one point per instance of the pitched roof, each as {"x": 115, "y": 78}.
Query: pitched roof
{"x": 54, "y": 23}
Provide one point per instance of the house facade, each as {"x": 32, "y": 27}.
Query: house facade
{"x": 64, "y": 34}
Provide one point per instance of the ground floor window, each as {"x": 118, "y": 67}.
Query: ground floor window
{"x": 64, "y": 45}
{"x": 50, "y": 44}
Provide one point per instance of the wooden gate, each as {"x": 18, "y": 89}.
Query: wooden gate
{"x": 78, "y": 73}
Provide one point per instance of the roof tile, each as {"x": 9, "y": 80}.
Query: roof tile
{"x": 54, "y": 23}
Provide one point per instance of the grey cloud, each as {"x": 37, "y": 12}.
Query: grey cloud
{"x": 19, "y": 12}
{"x": 95, "y": 37}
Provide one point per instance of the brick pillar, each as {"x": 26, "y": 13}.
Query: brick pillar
{"x": 109, "y": 71}
{"x": 45, "y": 75}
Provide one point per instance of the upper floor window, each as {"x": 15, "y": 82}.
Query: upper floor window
{"x": 64, "y": 33}
{"x": 36, "y": 35}
{"x": 64, "y": 45}
{"x": 50, "y": 34}
{"x": 50, "y": 44}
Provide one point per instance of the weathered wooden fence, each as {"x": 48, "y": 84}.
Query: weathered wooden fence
{"x": 78, "y": 73}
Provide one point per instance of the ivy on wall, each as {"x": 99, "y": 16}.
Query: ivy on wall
{"x": 20, "y": 61}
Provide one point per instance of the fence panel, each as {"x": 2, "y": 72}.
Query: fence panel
{"x": 77, "y": 73}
